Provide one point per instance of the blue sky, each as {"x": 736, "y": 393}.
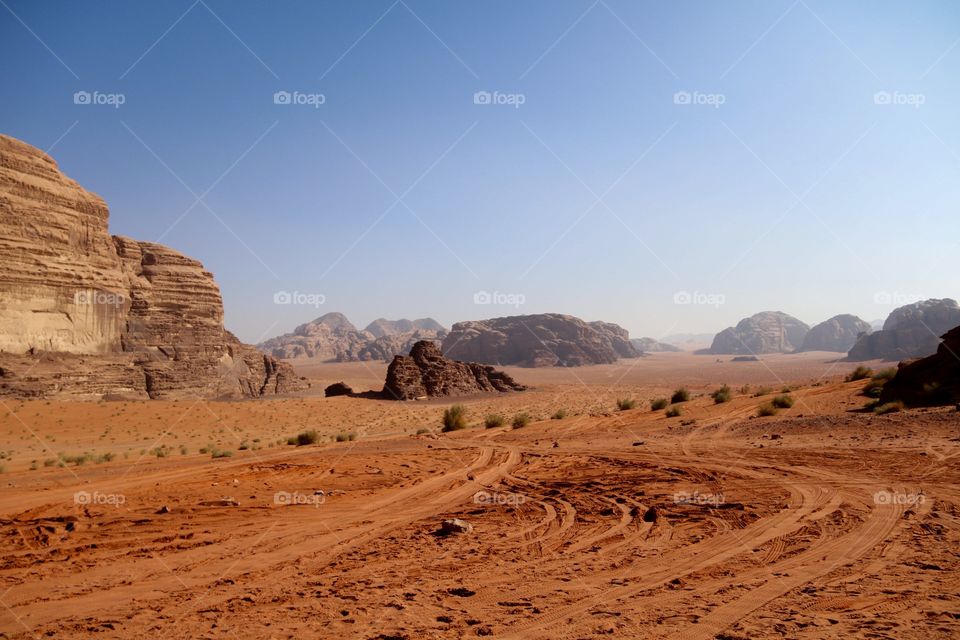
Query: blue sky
{"x": 784, "y": 182}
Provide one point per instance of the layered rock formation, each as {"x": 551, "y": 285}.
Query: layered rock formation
{"x": 426, "y": 373}
{"x": 332, "y": 337}
{"x": 930, "y": 381}
{"x": 544, "y": 340}
{"x": 911, "y": 331}
{"x": 84, "y": 313}
{"x": 839, "y": 333}
{"x": 764, "y": 332}
{"x": 649, "y": 345}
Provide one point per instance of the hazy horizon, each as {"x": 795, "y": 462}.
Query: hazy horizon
{"x": 395, "y": 159}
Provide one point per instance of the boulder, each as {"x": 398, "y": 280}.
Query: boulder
{"x": 930, "y": 381}
{"x": 425, "y": 372}
{"x": 455, "y": 525}
{"x": 910, "y": 331}
{"x": 338, "y": 389}
{"x": 839, "y": 333}
{"x": 85, "y": 313}
{"x": 765, "y": 332}
{"x": 544, "y": 340}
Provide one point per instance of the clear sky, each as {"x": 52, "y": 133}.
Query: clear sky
{"x": 588, "y": 184}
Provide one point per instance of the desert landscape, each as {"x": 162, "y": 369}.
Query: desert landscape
{"x": 510, "y": 320}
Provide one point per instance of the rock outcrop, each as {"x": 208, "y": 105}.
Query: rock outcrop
{"x": 426, "y": 373}
{"x": 649, "y": 345}
{"x": 764, "y": 332}
{"x": 543, "y": 340}
{"x": 83, "y": 313}
{"x": 911, "y": 331}
{"x": 333, "y": 338}
{"x": 839, "y": 333}
{"x": 930, "y": 381}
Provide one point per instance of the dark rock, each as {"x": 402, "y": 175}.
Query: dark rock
{"x": 911, "y": 331}
{"x": 426, "y": 373}
{"x": 455, "y": 525}
{"x": 338, "y": 389}
{"x": 764, "y": 332}
{"x": 930, "y": 381}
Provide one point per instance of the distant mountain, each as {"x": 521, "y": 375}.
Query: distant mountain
{"x": 839, "y": 333}
{"x": 649, "y": 345}
{"x": 877, "y": 324}
{"x": 333, "y": 338}
{"x": 910, "y": 331}
{"x": 764, "y": 332}
{"x": 688, "y": 341}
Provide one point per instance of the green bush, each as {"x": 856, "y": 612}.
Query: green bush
{"x": 889, "y": 407}
{"x": 762, "y": 391}
{"x": 626, "y": 403}
{"x": 216, "y": 452}
{"x": 766, "y": 409}
{"x": 658, "y": 403}
{"x": 559, "y": 414}
{"x": 304, "y": 438}
{"x": 346, "y": 437}
{"x": 673, "y": 412}
{"x": 783, "y": 401}
{"x": 860, "y": 373}
{"x": 880, "y": 378}
{"x": 521, "y": 420}
{"x": 455, "y": 418}
{"x": 721, "y": 395}
{"x": 680, "y": 395}
{"x": 494, "y": 420}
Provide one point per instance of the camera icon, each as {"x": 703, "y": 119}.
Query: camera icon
{"x": 682, "y": 297}
{"x": 82, "y": 498}
{"x": 282, "y": 297}
{"x": 282, "y": 497}
{"x": 882, "y": 297}
{"x": 482, "y": 97}
{"x": 882, "y": 97}
{"x": 482, "y": 297}
{"x": 82, "y": 297}
{"x": 682, "y": 97}
{"x": 281, "y": 97}
{"x": 882, "y": 497}
{"x": 81, "y": 97}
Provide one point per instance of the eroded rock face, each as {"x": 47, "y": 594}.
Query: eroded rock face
{"x": 839, "y": 333}
{"x": 764, "y": 332}
{"x": 911, "y": 331}
{"x": 382, "y": 327}
{"x": 544, "y": 340}
{"x": 930, "y": 381}
{"x": 142, "y": 319}
{"x": 426, "y": 373}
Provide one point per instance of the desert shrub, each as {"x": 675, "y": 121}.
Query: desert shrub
{"x": 658, "y": 403}
{"x": 50, "y": 462}
{"x": 559, "y": 414}
{"x": 886, "y": 374}
{"x": 762, "y": 391}
{"x": 244, "y": 446}
{"x": 783, "y": 401}
{"x": 455, "y": 418}
{"x": 221, "y": 453}
{"x": 673, "y": 411}
{"x": 860, "y": 373}
{"x": 889, "y": 407}
{"x": 721, "y": 395}
{"x": 304, "y": 438}
{"x": 680, "y": 395}
{"x": 422, "y": 430}
{"x": 521, "y": 420}
{"x": 183, "y": 450}
{"x": 745, "y": 390}
{"x": 346, "y": 437}
{"x": 626, "y": 403}
{"x": 766, "y": 409}
{"x": 786, "y": 389}
{"x": 494, "y": 420}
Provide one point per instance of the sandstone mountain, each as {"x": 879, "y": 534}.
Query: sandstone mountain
{"x": 544, "y": 340}
{"x": 649, "y": 345}
{"x": 84, "y": 313}
{"x": 764, "y": 332}
{"x": 333, "y": 338}
{"x": 910, "y": 331}
{"x": 426, "y": 373}
{"x": 934, "y": 380}
{"x": 839, "y": 333}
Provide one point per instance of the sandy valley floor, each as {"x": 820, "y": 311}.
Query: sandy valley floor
{"x": 820, "y": 522}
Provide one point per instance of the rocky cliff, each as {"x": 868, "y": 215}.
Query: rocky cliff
{"x": 839, "y": 333}
{"x": 544, "y": 340}
{"x": 934, "y": 380}
{"x": 381, "y": 327}
{"x": 910, "y": 331}
{"x": 764, "y": 332}
{"x": 86, "y": 313}
{"x": 426, "y": 373}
